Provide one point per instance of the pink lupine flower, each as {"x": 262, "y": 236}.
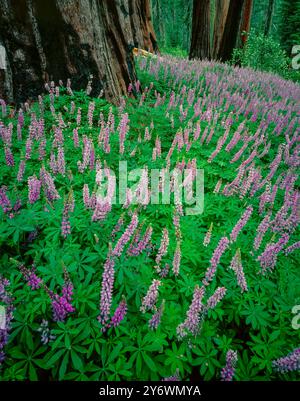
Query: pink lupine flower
{"x": 268, "y": 258}
{"x": 34, "y": 188}
{"x": 292, "y": 248}
{"x": 28, "y": 148}
{"x": 86, "y": 196}
{"x": 236, "y": 266}
{"x": 176, "y": 260}
{"x": 123, "y": 129}
{"x": 108, "y": 277}
{"x": 117, "y": 227}
{"x": 4, "y": 200}
{"x": 141, "y": 244}
{"x": 154, "y": 322}
{"x": 75, "y": 138}
{"x": 216, "y": 298}
{"x": 241, "y": 223}
{"x": 61, "y": 165}
{"x": 150, "y": 298}
{"x": 218, "y": 186}
{"x": 118, "y": 249}
{"x": 163, "y": 249}
{"x": 261, "y": 231}
{"x": 207, "y": 237}
{"x": 78, "y": 118}
{"x": 192, "y": 321}
{"x": 48, "y": 185}
{"x": 218, "y": 252}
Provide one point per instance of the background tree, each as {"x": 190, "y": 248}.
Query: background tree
{"x": 231, "y": 30}
{"x": 289, "y": 30}
{"x": 201, "y": 30}
{"x": 221, "y": 10}
{"x": 52, "y": 40}
{"x": 270, "y": 12}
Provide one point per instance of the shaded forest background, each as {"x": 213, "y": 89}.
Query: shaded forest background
{"x": 172, "y": 20}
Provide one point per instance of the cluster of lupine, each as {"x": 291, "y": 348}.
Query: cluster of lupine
{"x": 6, "y": 316}
{"x": 228, "y": 371}
{"x": 231, "y": 117}
{"x": 288, "y": 363}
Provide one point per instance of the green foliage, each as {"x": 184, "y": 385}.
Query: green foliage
{"x": 265, "y": 54}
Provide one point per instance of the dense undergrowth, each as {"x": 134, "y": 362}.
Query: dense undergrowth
{"x": 227, "y": 278}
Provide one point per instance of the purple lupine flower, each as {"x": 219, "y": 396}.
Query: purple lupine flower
{"x": 117, "y": 227}
{"x": 292, "y": 248}
{"x": 42, "y": 149}
{"x": 61, "y": 165}
{"x": 176, "y": 260}
{"x": 34, "y": 189}
{"x": 207, "y": 237}
{"x": 86, "y": 196}
{"x": 108, "y": 278}
{"x": 7, "y": 303}
{"x": 237, "y": 267}
{"x": 289, "y": 363}
{"x": 9, "y": 158}
{"x": 218, "y": 252}
{"x": 48, "y": 185}
{"x": 164, "y": 271}
{"x": 68, "y": 208}
{"x": 163, "y": 249}
{"x": 192, "y": 321}
{"x": 268, "y": 258}
{"x": 228, "y": 371}
{"x": 33, "y": 281}
{"x": 155, "y": 320}
{"x": 241, "y": 223}
{"x": 174, "y": 378}
{"x": 261, "y": 231}
{"x": 75, "y": 138}
{"x": 150, "y": 298}
{"x": 119, "y": 314}
{"x": 61, "y": 305}
{"x": 28, "y": 148}
{"x": 217, "y": 296}
{"x": 141, "y": 244}
{"x": 4, "y": 200}
{"x": 118, "y": 249}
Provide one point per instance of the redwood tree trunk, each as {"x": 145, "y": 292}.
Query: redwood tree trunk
{"x": 232, "y": 27}
{"x": 245, "y": 23}
{"x": 53, "y": 39}
{"x": 200, "y": 42}
{"x": 222, "y": 7}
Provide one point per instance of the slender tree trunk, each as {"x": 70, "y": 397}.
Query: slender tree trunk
{"x": 232, "y": 26}
{"x": 54, "y": 39}
{"x": 200, "y": 42}
{"x": 270, "y": 13}
{"x": 222, "y": 7}
{"x": 245, "y": 22}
